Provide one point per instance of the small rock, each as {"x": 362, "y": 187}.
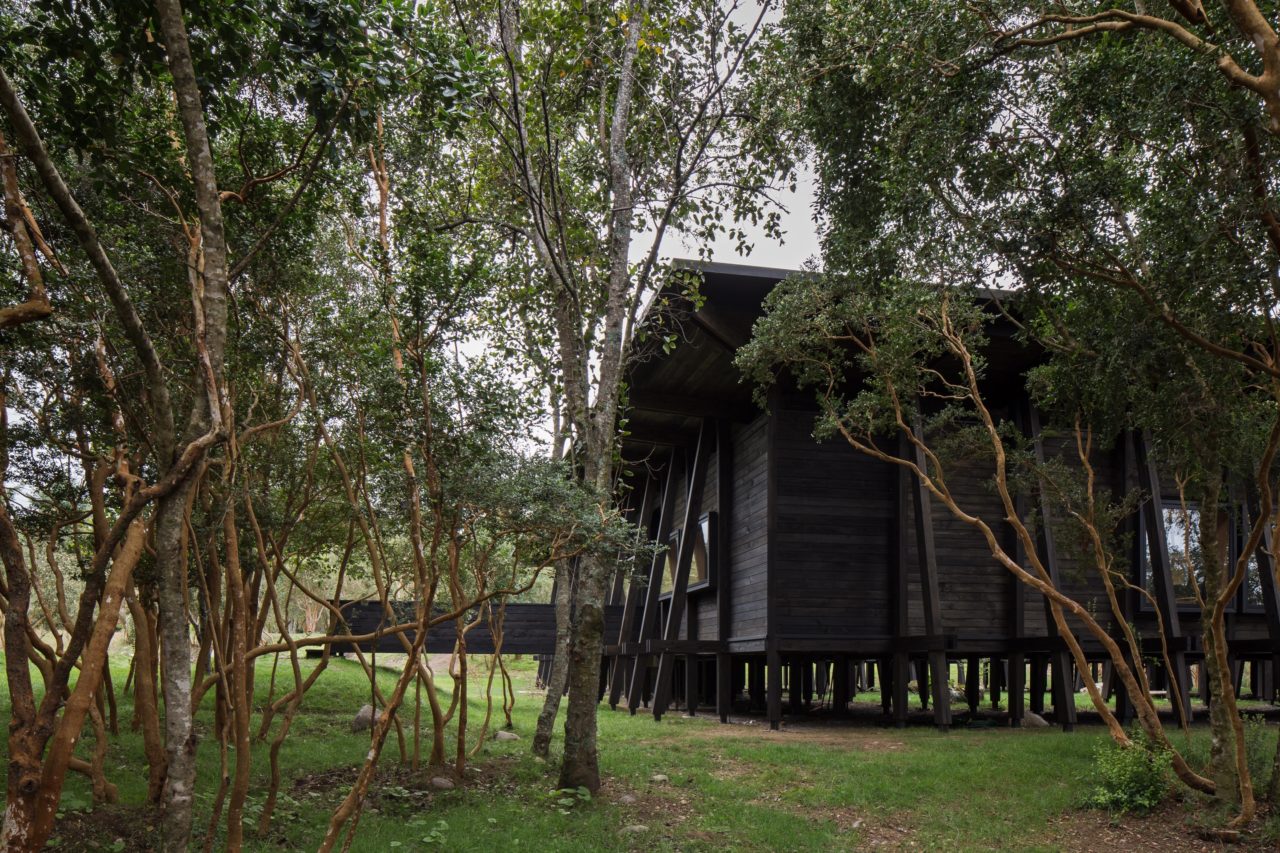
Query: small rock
{"x": 628, "y": 799}
{"x": 659, "y": 778}
{"x": 506, "y": 735}
{"x": 365, "y": 718}
{"x": 1032, "y": 720}
{"x": 635, "y": 829}
{"x": 440, "y": 783}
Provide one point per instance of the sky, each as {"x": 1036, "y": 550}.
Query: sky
{"x": 799, "y": 242}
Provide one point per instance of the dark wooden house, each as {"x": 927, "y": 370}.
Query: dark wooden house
{"x": 797, "y": 571}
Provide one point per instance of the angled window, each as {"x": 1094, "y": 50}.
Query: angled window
{"x": 702, "y": 571}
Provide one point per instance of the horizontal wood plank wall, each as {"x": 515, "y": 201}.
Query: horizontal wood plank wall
{"x": 834, "y": 526}
{"x": 973, "y": 587}
{"x": 748, "y": 545}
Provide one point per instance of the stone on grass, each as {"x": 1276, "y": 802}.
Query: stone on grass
{"x": 635, "y": 829}
{"x": 628, "y": 799}
{"x": 505, "y": 735}
{"x": 440, "y": 783}
{"x": 659, "y": 778}
{"x": 1032, "y": 720}
{"x": 365, "y": 718}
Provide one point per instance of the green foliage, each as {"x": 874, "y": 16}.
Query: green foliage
{"x": 1133, "y": 778}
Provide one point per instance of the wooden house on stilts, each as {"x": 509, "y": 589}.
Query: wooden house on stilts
{"x": 798, "y": 572}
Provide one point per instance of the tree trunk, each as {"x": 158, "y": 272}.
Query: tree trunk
{"x": 559, "y": 663}
{"x": 580, "y": 766}
{"x": 146, "y": 712}
{"x": 210, "y": 303}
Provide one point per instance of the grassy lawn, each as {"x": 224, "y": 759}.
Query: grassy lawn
{"x": 739, "y": 786}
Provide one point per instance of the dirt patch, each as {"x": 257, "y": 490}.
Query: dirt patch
{"x": 107, "y": 828}
{"x": 1166, "y": 830}
{"x": 841, "y": 737}
{"x": 400, "y": 785}
{"x": 659, "y": 806}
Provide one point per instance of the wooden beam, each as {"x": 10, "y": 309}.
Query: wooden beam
{"x": 658, "y": 437}
{"x": 649, "y": 594}
{"x": 897, "y": 675}
{"x": 714, "y": 331}
{"x": 693, "y": 407}
{"x": 724, "y": 578}
{"x": 1158, "y": 560}
{"x": 927, "y": 555}
{"x": 1064, "y": 700}
{"x": 684, "y": 561}
{"x": 618, "y": 666}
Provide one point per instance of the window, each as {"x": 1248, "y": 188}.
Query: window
{"x": 1186, "y": 560}
{"x": 1251, "y": 589}
{"x": 702, "y": 568}
{"x": 669, "y": 563}
{"x": 1186, "y": 563}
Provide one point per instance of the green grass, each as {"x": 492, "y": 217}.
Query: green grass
{"x": 731, "y": 787}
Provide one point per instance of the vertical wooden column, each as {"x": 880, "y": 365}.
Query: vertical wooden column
{"x": 653, "y": 586}
{"x": 1161, "y": 573}
{"x": 1125, "y": 711}
{"x": 1017, "y": 620}
{"x": 773, "y": 674}
{"x": 1270, "y": 591}
{"x": 894, "y": 689}
{"x": 628, "y": 595}
{"x": 840, "y": 685}
{"x": 724, "y": 569}
{"x": 684, "y": 560}
{"x": 928, "y": 560}
{"x": 971, "y": 686}
{"x": 691, "y": 665}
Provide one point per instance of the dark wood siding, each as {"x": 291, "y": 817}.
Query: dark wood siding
{"x": 748, "y": 545}
{"x": 974, "y": 589}
{"x": 834, "y": 523}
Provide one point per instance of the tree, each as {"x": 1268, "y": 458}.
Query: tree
{"x": 258, "y": 114}
{"x": 1114, "y": 167}
{"x": 608, "y": 121}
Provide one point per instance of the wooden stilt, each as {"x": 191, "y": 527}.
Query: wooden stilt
{"x": 840, "y": 686}
{"x": 900, "y": 689}
{"x": 650, "y": 592}
{"x": 774, "y": 679}
{"x": 1037, "y": 686}
{"x": 724, "y": 685}
{"x": 971, "y": 686}
{"x": 689, "y": 534}
{"x": 1017, "y": 688}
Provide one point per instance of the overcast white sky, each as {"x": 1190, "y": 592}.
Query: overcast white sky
{"x": 799, "y": 242}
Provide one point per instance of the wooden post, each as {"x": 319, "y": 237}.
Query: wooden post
{"x": 618, "y": 665}
{"x": 1158, "y": 560}
{"x": 928, "y": 559}
{"x": 1064, "y": 705}
{"x": 840, "y": 685}
{"x": 1036, "y": 688}
{"x": 653, "y": 586}
{"x": 723, "y": 568}
{"x": 691, "y": 696}
{"x": 684, "y": 560}
{"x": 774, "y": 677}
{"x": 971, "y": 686}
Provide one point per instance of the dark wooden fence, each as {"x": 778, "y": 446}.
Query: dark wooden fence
{"x": 527, "y": 629}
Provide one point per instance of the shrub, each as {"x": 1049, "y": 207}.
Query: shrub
{"x": 1132, "y": 778}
